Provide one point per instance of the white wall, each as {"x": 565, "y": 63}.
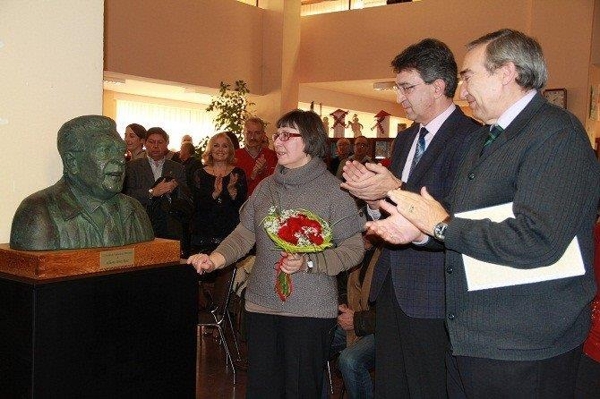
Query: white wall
{"x": 51, "y": 62}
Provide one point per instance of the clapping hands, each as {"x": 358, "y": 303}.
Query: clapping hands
{"x": 395, "y": 229}
{"x": 232, "y": 185}
{"x": 369, "y": 182}
{"x": 259, "y": 167}
{"x": 218, "y": 187}
{"x": 411, "y": 220}
{"x": 165, "y": 186}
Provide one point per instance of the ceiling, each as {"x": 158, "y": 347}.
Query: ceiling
{"x": 307, "y": 2}
{"x": 361, "y": 88}
{"x": 364, "y": 88}
{"x": 195, "y": 94}
{"x": 127, "y": 84}
{"x": 202, "y": 95}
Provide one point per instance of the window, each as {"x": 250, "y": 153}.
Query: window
{"x": 310, "y": 7}
{"x": 176, "y": 121}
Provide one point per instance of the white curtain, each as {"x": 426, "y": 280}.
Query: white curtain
{"x": 176, "y": 121}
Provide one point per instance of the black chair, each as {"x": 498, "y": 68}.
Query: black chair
{"x": 218, "y": 314}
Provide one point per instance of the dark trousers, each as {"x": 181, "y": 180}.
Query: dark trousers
{"x": 588, "y": 379}
{"x": 409, "y": 352}
{"x": 554, "y": 378}
{"x": 286, "y": 356}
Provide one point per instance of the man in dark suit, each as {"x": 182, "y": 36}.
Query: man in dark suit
{"x": 516, "y": 340}
{"x": 408, "y": 283}
{"x": 160, "y": 186}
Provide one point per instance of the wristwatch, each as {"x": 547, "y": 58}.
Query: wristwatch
{"x": 309, "y": 265}
{"x": 151, "y": 193}
{"x": 439, "y": 231}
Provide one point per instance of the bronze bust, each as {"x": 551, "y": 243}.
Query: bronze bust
{"x": 85, "y": 208}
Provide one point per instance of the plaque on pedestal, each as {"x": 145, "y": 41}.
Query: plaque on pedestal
{"x": 71, "y": 262}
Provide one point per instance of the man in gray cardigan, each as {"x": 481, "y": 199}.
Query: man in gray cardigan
{"x": 515, "y": 341}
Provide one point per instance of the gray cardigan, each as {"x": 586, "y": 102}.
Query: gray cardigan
{"x": 544, "y": 164}
{"x": 309, "y": 187}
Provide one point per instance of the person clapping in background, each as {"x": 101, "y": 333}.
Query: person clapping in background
{"x": 219, "y": 189}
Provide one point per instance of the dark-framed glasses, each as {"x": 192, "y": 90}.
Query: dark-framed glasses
{"x": 285, "y": 136}
{"x": 404, "y": 89}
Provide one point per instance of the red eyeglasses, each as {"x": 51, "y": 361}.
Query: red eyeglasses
{"x": 285, "y": 136}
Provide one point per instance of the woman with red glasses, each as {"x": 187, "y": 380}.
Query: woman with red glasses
{"x": 288, "y": 337}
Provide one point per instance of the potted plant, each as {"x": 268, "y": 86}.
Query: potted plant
{"x": 232, "y": 110}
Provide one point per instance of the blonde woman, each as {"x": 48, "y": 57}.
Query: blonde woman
{"x": 219, "y": 189}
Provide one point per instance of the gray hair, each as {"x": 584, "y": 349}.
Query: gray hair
{"x": 507, "y": 45}
{"x": 256, "y": 120}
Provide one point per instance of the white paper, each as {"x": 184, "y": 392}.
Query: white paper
{"x": 483, "y": 275}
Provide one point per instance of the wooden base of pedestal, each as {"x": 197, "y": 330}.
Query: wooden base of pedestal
{"x": 63, "y": 263}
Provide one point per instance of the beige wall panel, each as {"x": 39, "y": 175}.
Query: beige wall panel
{"x": 199, "y": 42}
{"x": 564, "y": 29}
{"x": 51, "y": 67}
{"x": 360, "y": 44}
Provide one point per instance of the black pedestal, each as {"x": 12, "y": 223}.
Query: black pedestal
{"x": 120, "y": 335}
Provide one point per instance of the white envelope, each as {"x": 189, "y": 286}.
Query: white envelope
{"x": 483, "y": 275}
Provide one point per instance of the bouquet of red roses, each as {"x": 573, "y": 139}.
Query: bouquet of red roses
{"x": 295, "y": 231}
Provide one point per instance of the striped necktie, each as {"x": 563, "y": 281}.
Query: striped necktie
{"x": 420, "y": 150}
{"x": 492, "y": 135}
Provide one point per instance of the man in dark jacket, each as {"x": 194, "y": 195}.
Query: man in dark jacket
{"x": 512, "y": 339}
{"x": 408, "y": 282}
{"x": 160, "y": 185}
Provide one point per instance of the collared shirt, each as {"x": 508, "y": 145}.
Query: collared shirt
{"x": 90, "y": 205}
{"x": 157, "y": 167}
{"x": 432, "y": 128}
{"x": 514, "y": 110}
{"x": 503, "y": 121}
{"x": 85, "y": 199}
